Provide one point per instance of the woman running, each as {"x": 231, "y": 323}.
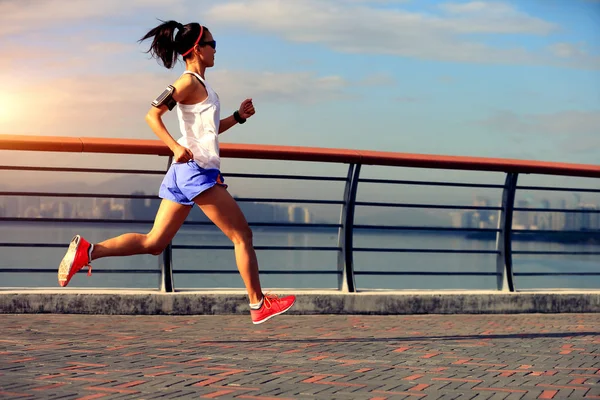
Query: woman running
{"x": 194, "y": 177}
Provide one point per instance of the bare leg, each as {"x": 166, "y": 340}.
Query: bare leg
{"x": 224, "y": 212}
{"x": 169, "y": 218}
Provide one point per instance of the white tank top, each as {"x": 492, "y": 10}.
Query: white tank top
{"x": 199, "y": 124}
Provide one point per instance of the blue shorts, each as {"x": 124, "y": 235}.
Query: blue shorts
{"x": 184, "y": 181}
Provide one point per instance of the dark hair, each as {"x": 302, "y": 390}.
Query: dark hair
{"x": 166, "y": 47}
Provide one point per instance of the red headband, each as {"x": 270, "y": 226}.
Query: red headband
{"x": 197, "y": 41}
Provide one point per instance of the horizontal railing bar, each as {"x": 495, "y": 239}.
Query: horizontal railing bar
{"x": 301, "y": 272}
{"x": 289, "y": 153}
{"x": 183, "y": 246}
{"x": 39, "y": 245}
{"x": 325, "y": 248}
{"x": 565, "y": 210}
{"x": 572, "y": 253}
{"x": 129, "y": 196}
{"x": 558, "y": 189}
{"x": 299, "y": 201}
{"x": 416, "y": 205}
{"x": 295, "y": 225}
{"x": 430, "y": 273}
{"x": 92, "y": 170}
{"x": 302, "y": 201}
{"x": 393, "y": 250}
{"x": 96, "y": 271}
{"x": 569, "y": 232}
{"x": 294, "y": 177}
{"x": 292, "y": 224}
{"x": 262, "y": 272}
{"x": 153, "y": 271}
{"x": 218, "y": 247}
{"x": 79, "y": 195}
{"x": 281, "y": 248}
{"x": 162, "y": 172}
{"x": 430, "y": 183}
{"x": 290, "y": 177}
{"x": 425, "y": 228}
{"x": 145, "y": 221}
{"x": 79, "y": 220}
{"x": 557, "y": 273}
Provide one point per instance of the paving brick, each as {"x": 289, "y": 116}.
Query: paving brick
{"x": 459, "y": 357}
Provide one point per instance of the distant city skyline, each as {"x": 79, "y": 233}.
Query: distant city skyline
{"x": 132, "y": 209}
{"x": 145, "y": 209}
{"x": 532, "y": 220}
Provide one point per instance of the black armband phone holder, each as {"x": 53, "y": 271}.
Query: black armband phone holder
{"x": 166, "y": 98}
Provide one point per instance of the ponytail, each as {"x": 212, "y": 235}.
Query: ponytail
{"x": 165, "y": 47}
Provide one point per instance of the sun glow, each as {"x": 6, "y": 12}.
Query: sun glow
{"x": 7, "y": 110}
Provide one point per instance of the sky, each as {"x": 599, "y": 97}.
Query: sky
{"x": 511, "y": 79}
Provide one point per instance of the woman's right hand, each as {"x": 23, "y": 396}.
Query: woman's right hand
{"x": 182, "y": 154}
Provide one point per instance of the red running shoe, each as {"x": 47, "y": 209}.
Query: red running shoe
{"x": 77, "y": 257}
{"x": 272, "y": 306}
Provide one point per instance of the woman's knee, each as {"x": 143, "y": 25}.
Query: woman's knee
{"x": 241, "y": 236}
{"x": 153, "y": 245}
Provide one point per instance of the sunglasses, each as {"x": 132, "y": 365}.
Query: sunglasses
{"x": 211, "y": 43}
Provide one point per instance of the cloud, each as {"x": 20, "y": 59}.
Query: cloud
{"x": 89, "y": 52}
{"x": 455, "y": 32}
{"x": 33, "y": 15}
{"x": 114, "y": 105}
{"x": 379, "y": 79}
{"x": 446, "y": 79}
{"x": 559, "y": 123}
{"x": 295, "y": 87}
{"x": 573, "y": 130}
{"x": 494, "y": 17}
{"x": 575, "y": 54}
{"x": 362, "y": 29}
{"x": 407, "y": 99}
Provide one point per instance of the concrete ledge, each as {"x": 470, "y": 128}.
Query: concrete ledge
{"x": 127, "y": 302}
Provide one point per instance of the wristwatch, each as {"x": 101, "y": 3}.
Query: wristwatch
{"x": 238, "y": 117}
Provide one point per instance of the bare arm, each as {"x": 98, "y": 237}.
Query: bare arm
{"x": 246, "y": 111}
{"x": 226, "y": 123}
{"x": 154, "y": 120}
{"x": 183, "y": 88}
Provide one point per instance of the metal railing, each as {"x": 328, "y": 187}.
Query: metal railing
{"x": 346, "y": 273}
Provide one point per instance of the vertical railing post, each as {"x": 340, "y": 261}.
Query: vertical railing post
{"x": 345, "y": 234}
{"x": 505, "y": 279}
{"x": 166, "y": 270}
{"x": 166, "y": 261}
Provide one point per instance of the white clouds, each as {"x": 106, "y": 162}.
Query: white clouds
{"x": 453, "y": 31}
{"x": 567, "y": 50}
{"x": 22, "y": 16}
{"x": 115, "y": 105}
{"x": 575, "y": 54}
{"x": 572, "y": 130}
{"x": 479, "y": 7}
{"x": 294, "y": 87}
{"x": 358, "y": 28}
{"x": 378, "y": 79}
{"x": 84, "y": 52}
{"x": 493, "y": 17}
{"x": 560, "y": 123}
{"x": 407, "y": 99}
{"x": 105, "y": 48}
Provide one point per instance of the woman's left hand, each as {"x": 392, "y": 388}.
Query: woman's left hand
{"x": 246, "y": 109}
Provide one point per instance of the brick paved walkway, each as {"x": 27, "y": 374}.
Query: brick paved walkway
{"x": 300, "y": 357}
